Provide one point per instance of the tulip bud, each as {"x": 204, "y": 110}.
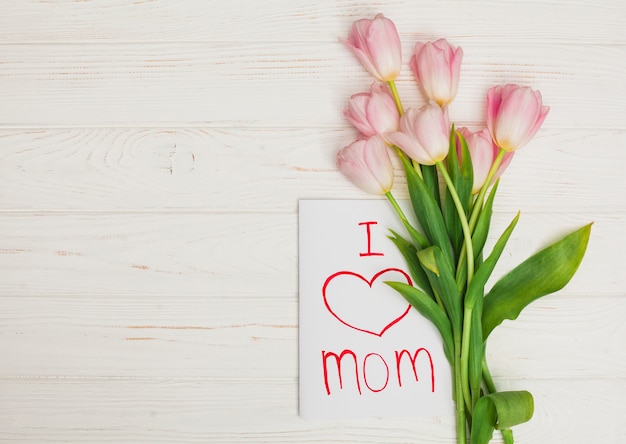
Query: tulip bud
{"x": 424, "y": 134}
{"x": 367, "y": 164}
{"x": 514, "y": 115}
{"x": 437, "y": 67}
{"x": 377, "y": 46}
{"x": 374, "y": 112}
{"x": 483, "y": 152}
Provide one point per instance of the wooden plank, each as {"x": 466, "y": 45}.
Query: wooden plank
{"x": 222, "y": 411}
{"x": 560, "y": 336}
{"x": 562, "y": 409}
{"x": 204, "y": 254}
{"x": 150, "y": 253}
{"x": 175, "y": 336}
{"x": 257, "y": 169}
{"x": 586, "y": 22}
{"x": 278, "y": 84}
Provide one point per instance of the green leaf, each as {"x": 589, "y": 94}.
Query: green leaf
{"x": 441, "y": 278}
{"x": 462, "y": 176}
{"x": 476, "y": 353}
{"x": 479, "y": 236}
{"x": 428, "y": 260}
{"x": 466, "y": 181}
{"x": 476, "y": 288}
{"x": 541, "y": 274}
{"x": 409, "y": 252}
{"x": 431, "y": 311}
{"x": 431, "y": 180}
{"x": 474, "y": 303}
{"x": 501, "y": 410}
{"x": 427, "y": 211}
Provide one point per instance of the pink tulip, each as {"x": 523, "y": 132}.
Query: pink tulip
{"x": 424, "y": 134}
{"x": 377, "y": 46}
{"x": 367, "y": 164}
{"x": 514, "y": 115}
{"x": 483, "y": 152}
{"x": 437, "y": 67}
{"x": 374, "y": 112}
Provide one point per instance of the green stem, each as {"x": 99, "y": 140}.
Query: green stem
{"x": 396, "y": 96}
{"x": 467, "y": 235}
{"x": 416, "y": 167}
{"x": 461, "y": 430}
{"x": 507, "y": 434}
{"x": 415, "y": 235}
{"x": 398, "y": 102}
{"x": 465, "y": 347}
{"x": 478, "y": 205}
{"x": 467, "y": 319}
{"x": 491, "y": 387}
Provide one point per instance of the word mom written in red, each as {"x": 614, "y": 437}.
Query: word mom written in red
{"x": 348, "y": 364}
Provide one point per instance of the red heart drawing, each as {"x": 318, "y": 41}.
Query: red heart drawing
{"x": 377, "y": 307}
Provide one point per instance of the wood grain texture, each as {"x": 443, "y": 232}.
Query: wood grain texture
{"x": 268, "y": 170}
{"x": 581, "y": 21}
{"x": 202, "y": 410}
{"x": 278, "y": 84}
{"x": 152, "y": 154}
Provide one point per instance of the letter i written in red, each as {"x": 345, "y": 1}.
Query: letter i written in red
{"x": 369, "y": 239}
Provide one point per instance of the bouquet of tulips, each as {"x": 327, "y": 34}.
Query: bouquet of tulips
{"x": 452, "y": 177}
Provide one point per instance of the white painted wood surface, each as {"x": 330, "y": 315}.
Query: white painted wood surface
{"x": 152, "y": 154}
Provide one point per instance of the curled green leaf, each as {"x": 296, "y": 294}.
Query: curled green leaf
{"x": 501, "y": 410}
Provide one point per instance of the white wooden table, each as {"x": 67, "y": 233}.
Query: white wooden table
{"x": 152, "y": 154}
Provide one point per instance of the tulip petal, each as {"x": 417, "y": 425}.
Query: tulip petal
{"x": 367, "y": 164}
{"x": 424, "y": 134}
{"x": 514, "y": 115}
{"x": 376, "y": 44}
{"x": 437, "y": 67}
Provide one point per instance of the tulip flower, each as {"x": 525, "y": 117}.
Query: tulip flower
{"x": 514, "y": 115}
{"x": 483, "y": 152}
{"x": 367, "y": 164}
{"x": 424, "y": 134}
{"x": 374, "y": 112}
{"x": 437, "y": 66}
{"x": 377, "y": 46}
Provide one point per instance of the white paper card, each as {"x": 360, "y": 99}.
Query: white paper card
{"x": 364, "y": 351}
